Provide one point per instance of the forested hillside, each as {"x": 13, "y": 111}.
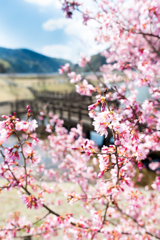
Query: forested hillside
{"x": 27, "y": 61}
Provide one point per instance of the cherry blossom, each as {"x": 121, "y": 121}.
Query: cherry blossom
{"x": 101, "y": 183}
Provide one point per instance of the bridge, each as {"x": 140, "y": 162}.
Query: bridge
{"x": 71, "y": 107}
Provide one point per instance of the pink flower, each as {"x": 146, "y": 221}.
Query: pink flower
{"x": 83, "y": 61}
{"x": 102, "y": 121}
{"x": 154, "y": 165}
{"x": 64, "y": 68}
{"x": 30, "y": 201}
{"x": 156, "y": 184}
{"x": 74, "y": 77}
{"x": 85, "y": 88}
{"x": 32, "y": 125}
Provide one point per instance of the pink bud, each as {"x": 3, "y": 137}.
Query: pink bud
{"x": 103, "y": 107}
{"x": 4, "y": 116}
{"x": 100, "y": 174}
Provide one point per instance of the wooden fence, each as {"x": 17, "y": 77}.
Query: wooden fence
{"x": 71, "y": 107}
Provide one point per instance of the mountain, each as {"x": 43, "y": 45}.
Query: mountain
{"x": 96, "y": 61}
{"x": 27, "y": 61}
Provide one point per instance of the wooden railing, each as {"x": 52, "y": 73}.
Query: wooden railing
{"x": 71, "y": 107}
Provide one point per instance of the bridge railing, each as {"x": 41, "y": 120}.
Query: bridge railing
{"x": 71, "y": 107}
{"x": 69, "y": 97}
{"x": 72, "y": 112}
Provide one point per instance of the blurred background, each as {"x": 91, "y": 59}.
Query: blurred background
{"x": 35, "y": 40}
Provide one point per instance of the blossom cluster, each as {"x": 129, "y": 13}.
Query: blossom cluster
{"x": 100, "y": 183}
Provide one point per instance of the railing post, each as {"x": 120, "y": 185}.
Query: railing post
{"x": 12, "y": 108}
{"x": 53, "y": 108}
{"x": 61, "y": 111}
{"x": 80, "y": 113}
{"x": 16, "y": 107}
{"x": 27, "y": 238}
{"x": 48, "y": 108}
{"x": 69, "y": 117}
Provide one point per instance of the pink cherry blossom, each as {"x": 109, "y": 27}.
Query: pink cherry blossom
{"x": 100, "y": 184}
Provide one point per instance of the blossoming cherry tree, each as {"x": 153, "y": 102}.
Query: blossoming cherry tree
{"x": 113, "y": 206}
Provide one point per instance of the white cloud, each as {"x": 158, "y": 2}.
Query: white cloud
{"x": 46, "y": 3}
{"x": 73, "y": 28}
{"x": 7, "y": 43}
{"x": 59, "y": 51}
{"x": 71, "y": 51}
{"x": 53, "y": 24}
{"x": 81, "y": 38}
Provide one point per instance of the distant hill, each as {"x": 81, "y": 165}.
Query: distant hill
{"x": 27, "y": 61}
{"x": 96, "y": 61}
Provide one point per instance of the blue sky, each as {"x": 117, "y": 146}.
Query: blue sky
{"x": 40, "y": 25}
